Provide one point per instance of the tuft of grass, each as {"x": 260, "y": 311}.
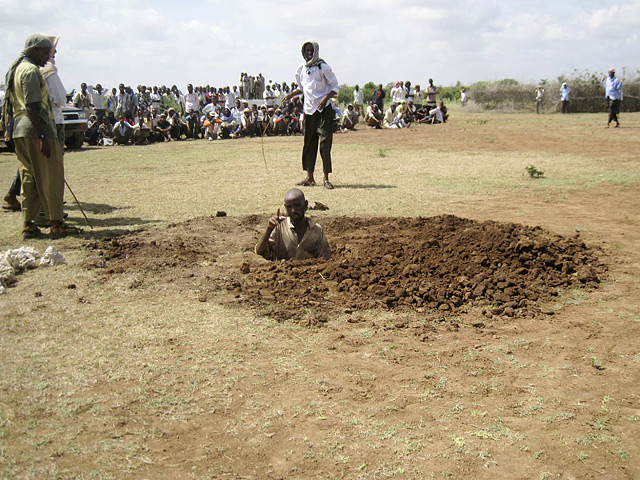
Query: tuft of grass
{"x": 534, "y": 172}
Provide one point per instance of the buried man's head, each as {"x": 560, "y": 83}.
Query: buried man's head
{"x": 295, "y": 204}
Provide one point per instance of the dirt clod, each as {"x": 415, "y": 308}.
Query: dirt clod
{"x": 445, "y": 263}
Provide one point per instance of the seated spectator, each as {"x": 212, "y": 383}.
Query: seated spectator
{"x": 105, "y": 133}
{"x": 236, "y": 111}
{"x": 228, "y": 126}
{"x": 211, "y": 126}
{"x": 393, "y": 118}
{"x": 123, "y": 132}
{"x": 92, "y": 135}
{"x": 349, "y": 118}
{"x": 269, "y": 122}
{"x": 163, "y": 129}
{"x": 111, "y": 119}
{"x": 286, "y": 123}
{"x": 336, "y": 118}
{"x": 178, "y": 125}
{"x": 437, "y": 115}
{"x": 374, "y": 116}
{"x": 249, "y": 125}
{"x": 141, "y": 132}
{"x": 410, "y": 112}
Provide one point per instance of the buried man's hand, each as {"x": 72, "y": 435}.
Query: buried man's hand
{"x": 275, "y": 220}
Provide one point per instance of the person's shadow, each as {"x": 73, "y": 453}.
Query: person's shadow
{"x": 373, "y": 186}
{"x": 107, "y": 226}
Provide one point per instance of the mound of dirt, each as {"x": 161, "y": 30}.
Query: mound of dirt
{"x": 443, "y": 264}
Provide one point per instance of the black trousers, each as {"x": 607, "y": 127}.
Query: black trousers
{"x": 614, "y": 110}
{"x": 318, "y": 129}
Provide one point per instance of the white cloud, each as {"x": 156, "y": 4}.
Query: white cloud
{"x": 212, "y": 41}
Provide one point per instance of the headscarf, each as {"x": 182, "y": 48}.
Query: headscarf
{"x": 315, "y": 59}
{"x": 50, "y": 68}
{"x": 33, "y": 41}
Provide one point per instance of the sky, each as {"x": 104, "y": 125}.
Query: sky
{"x": 211, "y": 42}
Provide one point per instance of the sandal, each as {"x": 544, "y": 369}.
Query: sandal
{"x": 328, "y": 185}
{"x": 30, "y": 232}
{"x": 305, "y": 183}
{"x": 63, "y": 230}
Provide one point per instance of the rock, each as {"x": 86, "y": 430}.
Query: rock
{"x": 7, "y": 274}
{"x": 22, "y": 258}
{"x": 588, "y": 274}
{"x": 51, "y": 257}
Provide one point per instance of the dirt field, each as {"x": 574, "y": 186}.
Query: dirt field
{"x": 472, "y": 322}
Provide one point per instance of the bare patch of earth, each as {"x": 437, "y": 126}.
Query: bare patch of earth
{"x": 440, "y": 264}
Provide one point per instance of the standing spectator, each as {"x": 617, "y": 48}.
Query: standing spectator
{"x": 417, "y": 98}
{"x": 229, "y": 98}
{"x": 112, "y": 100}
{"x": 564, "y": 97}
{"x": 410, "y": 92}
{"x": 83, "y": 100}
{"x": 613, "y": 91}
{"x": 246, "y": 87}
{"x": 35, "y": 139}
{"x": 156, "y": 99}
{"x": 464, "y": 98}
{"x": 319, "y": 85}
{"x": 58, "y": 98}
{"x": 358, "y": 100}
{"x": 269, "y": 97}
{"x": 191, "y": 100}
{"x": 99, "y": 101}
{"x": 432, "y": 93}
{"x": 398, "y": 93}
{"x": 135, "y": 102}
{"x": 378, "y": 97}
{"x": 123, "y": 101}
{"x": 539, "y": 100}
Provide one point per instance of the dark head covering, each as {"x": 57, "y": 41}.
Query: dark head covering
{"x": 33, "y": 41}
{"x": 315, "y": 60}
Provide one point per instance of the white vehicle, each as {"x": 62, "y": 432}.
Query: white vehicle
{"x": 75, "y": 124}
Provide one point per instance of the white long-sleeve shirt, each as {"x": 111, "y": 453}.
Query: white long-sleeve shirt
{"x": 316, "y": 83}
{"x": 57, "y": 95}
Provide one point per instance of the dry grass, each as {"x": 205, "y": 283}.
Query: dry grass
{"x": 107, "y": 379}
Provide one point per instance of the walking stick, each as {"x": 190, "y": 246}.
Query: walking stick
{"x": 78, "y": 203}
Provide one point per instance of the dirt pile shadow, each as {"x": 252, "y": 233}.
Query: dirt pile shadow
{"x": 441, "y": 264}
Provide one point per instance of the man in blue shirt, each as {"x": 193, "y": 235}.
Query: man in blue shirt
{"x": 613, "y": 89}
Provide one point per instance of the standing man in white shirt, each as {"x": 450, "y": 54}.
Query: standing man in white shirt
{"x": 98, "y": 95}
{"x": 319, "y": 85}
{"x": 358, "y": 101}
{"x": 539, "y": 100}
{"x": 269, "y": 97}
{"x": 564, "y": 97}
{"x": 613, "y": 93}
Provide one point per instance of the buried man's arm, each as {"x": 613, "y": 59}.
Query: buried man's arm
{"x": 262, "y": 247}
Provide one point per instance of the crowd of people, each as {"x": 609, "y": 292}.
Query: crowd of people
{"x": 124, "y": 116}
{"x": 408, "y": 105}
{"x": 160, "y": 114}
